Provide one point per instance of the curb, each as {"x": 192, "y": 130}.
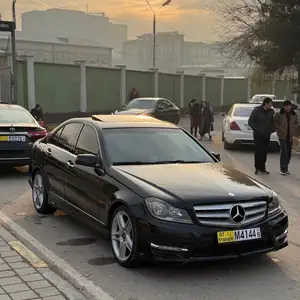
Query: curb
{"x": 82, "y": 288}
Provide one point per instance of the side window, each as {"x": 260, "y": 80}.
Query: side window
{"x": 54, "y": 139}
{"x": 161, "y": 104}
{"x": 87, "y": 142}
{"x": 168, "y": 104}
{"x": 68, "y": 137}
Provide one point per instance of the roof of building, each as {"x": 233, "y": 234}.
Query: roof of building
{"x": 69, "y": 40}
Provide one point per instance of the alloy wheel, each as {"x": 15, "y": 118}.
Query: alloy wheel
{"x": 122, "y": 236}
{"x": 38, "y": 191}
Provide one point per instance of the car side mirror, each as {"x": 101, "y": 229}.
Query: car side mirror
{"x": 216, "y": 155}
{"x": 87, "y": 160}
{"x": 223, "y": 114}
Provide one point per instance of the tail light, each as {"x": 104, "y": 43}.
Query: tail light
{"x": 37, "y": 134}
{"x": 234, "y": 126}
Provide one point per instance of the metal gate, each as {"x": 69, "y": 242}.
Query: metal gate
{"x": 5, "y": 85}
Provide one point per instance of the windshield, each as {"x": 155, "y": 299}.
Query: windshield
{"x": 142, "y": 104}
{"x": 152, "y": 146}
{"x": 12, "y": 116}
{"x": 243, "y": 111}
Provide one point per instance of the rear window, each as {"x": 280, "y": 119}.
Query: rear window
{"x": 242, "y": 111}
{"x": 13, "y": 116}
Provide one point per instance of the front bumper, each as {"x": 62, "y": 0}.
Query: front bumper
{"x": 179, "y": 242}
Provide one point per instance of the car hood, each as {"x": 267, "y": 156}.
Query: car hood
{"x": 206, "y": 182}
{"x": 133, "y": 111}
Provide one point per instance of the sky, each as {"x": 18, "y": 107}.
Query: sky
{"x": 193, "y": 18}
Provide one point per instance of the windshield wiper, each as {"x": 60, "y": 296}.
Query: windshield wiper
{"x": 161, "y": 162}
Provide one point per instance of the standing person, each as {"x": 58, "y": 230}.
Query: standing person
{"x": 134, "y": 94}
{"x": 194, "y": 111}
{"x": 37, "y": 113}
{"x": 262, "y": 123}
{"x": 286, "y": 125}
{"x": 206, "y": 118}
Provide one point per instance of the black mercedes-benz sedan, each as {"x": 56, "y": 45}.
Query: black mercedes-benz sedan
{"x": 159, "y": 108}
{"x": 155, "y": 191}
{"x": 18, "y": 132}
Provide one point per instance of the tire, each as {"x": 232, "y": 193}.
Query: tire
{"x": 129, "y": 258}
{"x": 227, "y": 146}
{"x": 40, "y": 195}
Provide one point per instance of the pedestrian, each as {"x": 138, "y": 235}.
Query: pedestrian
{"x": 37, "y": 113}
{"x": 206, "y": 118}
{"x": 194, "y": 112}
{"x": 134, "y": 94}
{"x": 261, "y": 121}
{"x": 286, "y": 125}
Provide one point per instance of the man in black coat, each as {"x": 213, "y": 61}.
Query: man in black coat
{"x": 261, "y": 121}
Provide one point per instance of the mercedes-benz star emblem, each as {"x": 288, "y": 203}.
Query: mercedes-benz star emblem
{"x": 237, "y": 214}
{"x": 12, "y": 129}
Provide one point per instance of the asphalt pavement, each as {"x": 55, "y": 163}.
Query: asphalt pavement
{"x": 84, "y": 257}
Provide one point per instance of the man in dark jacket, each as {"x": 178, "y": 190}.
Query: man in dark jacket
{"x": 194, "y": 111}
{"x": 37, "y": 113}
{"x": 287, "y": 125}
{"x": 134, "y": 94}
{"x": 262, "y": 123}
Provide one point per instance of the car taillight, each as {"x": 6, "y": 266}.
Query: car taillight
{"x": 37, "y": 134}
{"x": 234, "y": 126}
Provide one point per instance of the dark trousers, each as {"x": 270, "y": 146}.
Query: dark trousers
{"x": 261, "y": 148}
{"x": 285, "y": 153}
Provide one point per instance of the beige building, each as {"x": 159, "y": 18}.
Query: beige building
{"x": 59, "y": 50}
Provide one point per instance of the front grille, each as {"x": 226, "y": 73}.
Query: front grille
{"x": 219, "y": 215}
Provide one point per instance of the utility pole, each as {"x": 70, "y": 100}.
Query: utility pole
{"x": 154, "y": 29}
{"x": 14, "y": 53}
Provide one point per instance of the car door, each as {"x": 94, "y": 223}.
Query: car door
{"x": 52, "y": 165}
{"x": 65, "y": 152}
{"x": 172, "y": 112}
{"x": 85, "y": 187}
{"x": 160, "y": 110}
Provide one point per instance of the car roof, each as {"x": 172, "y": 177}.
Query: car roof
{"x": 246, "y": 104}
{"x": 10, "y": 106}
{"x": 148, "y": 98}
{"x": 126, "y": 121}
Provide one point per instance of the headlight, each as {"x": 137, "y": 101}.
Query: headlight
{"x": 164, "y": 211}
{"x": 274, "y": 205}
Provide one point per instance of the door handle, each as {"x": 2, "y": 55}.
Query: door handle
{"x": 70, "y": 164}
{"x": 48, "y": 152}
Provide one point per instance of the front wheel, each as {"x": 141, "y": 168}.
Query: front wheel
{"x": 124, "y": 237}
{"x": 40, "y": 195}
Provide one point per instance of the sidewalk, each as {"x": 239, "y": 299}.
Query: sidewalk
{"x": 24, "y": 276}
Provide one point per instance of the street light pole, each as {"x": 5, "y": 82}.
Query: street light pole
{"x": 14, "y": 52}
{"x": 154, "y": 28}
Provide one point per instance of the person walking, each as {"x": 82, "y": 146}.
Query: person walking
{"x": 206, "y": 119}
{"x": 37, "y": 113}
{"x": 194, "y": 111}
{"x": 134, "y": 94}
{"x": 286, "y": 125}
{"x": 261, "y": 121}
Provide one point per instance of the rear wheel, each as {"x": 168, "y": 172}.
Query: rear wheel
{"x": 40, "y": 195}
{"x": 124, "y": 237}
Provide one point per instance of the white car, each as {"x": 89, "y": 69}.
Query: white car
{"x": 235, "y": 128}
{"x": 258, "y": 98}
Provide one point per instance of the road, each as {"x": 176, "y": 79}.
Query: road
{"x": 275, "y": 276}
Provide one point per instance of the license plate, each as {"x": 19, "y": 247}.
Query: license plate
{"x": 239, "y": 235}
{"x": 13, "y": 138}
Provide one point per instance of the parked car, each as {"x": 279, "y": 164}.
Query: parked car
{"x": 258, "y": 98}
{"x": 155, "y": 191}
{"x": 235, "y": 128}
{"x": 18, "y": 131}
{"x": 159, "y": 108}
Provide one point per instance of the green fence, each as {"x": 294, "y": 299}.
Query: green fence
{"x": 103, "y": 89}
{"x": 57, "y": 87}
